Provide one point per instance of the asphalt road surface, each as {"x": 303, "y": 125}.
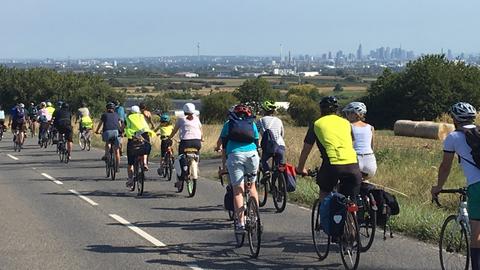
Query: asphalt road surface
{"x": 70, "y": 216}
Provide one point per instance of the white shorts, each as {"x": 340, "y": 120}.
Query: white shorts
{"x": 240, "y": 164}
{"x": 367, "y": 164}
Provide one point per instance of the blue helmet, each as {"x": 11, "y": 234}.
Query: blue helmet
{"x": 164, "y": 117}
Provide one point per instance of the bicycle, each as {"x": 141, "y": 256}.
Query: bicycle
{"x": 454, "y": 243}
{"x": 367, "y": 219}
{"x": 84, "y": 139}
{"x": 192, "y": 156}
{"x": 275, "y": 184}
{"x": 111, "y": 163}
{"x": 349, "y": 241}
{"x": 166, "y": 164}
{"x": 138, "y": 150}
{"x": 63, "y": 153}
{"x": 17, "y": 144}
{"x": 253, "y": 224}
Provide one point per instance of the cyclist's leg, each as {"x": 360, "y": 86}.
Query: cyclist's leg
{"x": 350, "y": 179}
{"x": 69, "y": 138}
{"x": 148, "y": 149}
{"x": 117, "y": 147}
{"x": 105, "y": 137}
{"x": 130, "y": 161}
{"x": 473, "y": 195}
{"x": 163, "y": 149}
{"x": 251, "y": 167}
{"x": 327, "y": 179}
{"x": 280, "y": 155}
{"x": 236, "y": 172}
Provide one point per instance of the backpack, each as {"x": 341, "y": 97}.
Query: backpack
{"x": 228, "y": 199}
{"x": 268, "y": 144}
{"x": 472, "y": 136}
{"x": 333, "y": 212}
{"x": 240, "y": 129}
{"x": 290, "y": 177}
{"x": 387, "y": 205}
{"x": 20, "y": 115}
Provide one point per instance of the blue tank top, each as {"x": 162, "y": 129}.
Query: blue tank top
{"x": 363, "y": 139}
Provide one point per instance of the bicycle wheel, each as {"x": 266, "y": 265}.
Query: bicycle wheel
{"x": 88, "y": 143}
{"x": 454, "y": 245}
{"x": 107, "y": 165}
{"x": 140, "y": 178}
{"x": 239, "y": 237}
{"x": 113, "y": 165}
{"x": 180, "y": 184}
{"x": 67, "y": 156}
{"x": 262, "y": 189}
{"x": 321, "y": 241}
{"x": 367, "y": 225}
{"x": 81, "y": 141}
{"x": 279, "y": 192}
{"x": 191, "y": 187}
{"x": 350, "y": 243}
{"x": 170, "y": 169}
{"x": 254, "y": 227}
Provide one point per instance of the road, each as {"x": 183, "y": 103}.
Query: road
{"x": 69, "y": 216}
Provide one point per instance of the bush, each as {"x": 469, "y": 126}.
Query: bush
{"x": 215, "y": 107}
{"x": 158, "y": 103}
{"x": 306, "y": 90}
{"x": 256, "y": 90}
{"x": 338, "y": 88}
{"x": 303, "y": 110}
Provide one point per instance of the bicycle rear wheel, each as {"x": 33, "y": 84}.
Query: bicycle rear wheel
{"x": 254, "y": 227}
{"x": 140, "y": 178}
{"x": 113, "y": 165}
{"x": 367, "y": 218}
{"x": 107, "y": 164}
{"x": 191, "y": 187}
{"x": 170, "y": 169}
{"x": 262, "y": 189}
{"x": 454, "y": 245}
{"x": 321, "y": 241}
{"x": 67, "y": 156}
{"x": 350, "y": 243}
{"x": 279, "y": 191}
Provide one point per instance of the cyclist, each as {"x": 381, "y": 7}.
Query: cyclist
{"x": 50, "y": 108}
{"x": 190, "y": 134}
{"x": 275, "y": 125}
{"x": 43, "y": 119}
{"x": 135, "y": 125}
{"x": 241, "y": 159}
{"x": 18, "y": 121}
{"x": 2, "y": 118}
{"x": 165, "y": 129}
{"x": 120, "y": 110}
{"x": 333, "y": 136}
{"x": 148, "y": 117}
{"x": 82, "y": 112}
{"x": 363, "y": 138}
{"x": 32, "y": 116}
{"x": 463, "y": 115}
{"x": 111, "y": 124}
{"x": 63, "y": 123}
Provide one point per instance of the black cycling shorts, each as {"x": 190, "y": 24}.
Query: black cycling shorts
{"x": 67, "y": 131}
{"x": 348, "y": 175}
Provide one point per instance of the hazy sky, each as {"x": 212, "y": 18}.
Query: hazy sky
{"x": 117, "y": 28}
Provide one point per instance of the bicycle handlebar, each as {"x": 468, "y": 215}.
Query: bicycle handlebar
{"x": 461, "y": 191}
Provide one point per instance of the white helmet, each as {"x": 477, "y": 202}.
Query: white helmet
{"x": 49, "y": 104}
{"x": 43, "y": 104}
{"x": 135, "y": 109}
{"x": 21, "y": 105}
{"x": 463, "y": 111}
{"x": 189, "y": 108}
{"x": 356, "y": 107}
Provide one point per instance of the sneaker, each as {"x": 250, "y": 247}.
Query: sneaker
{"x": 240, "y": 229}
{"x": 265, "y": 177}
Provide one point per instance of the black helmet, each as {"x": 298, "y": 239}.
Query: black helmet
{"x": 329, "y": 104}
{"x": 84, "y": 104}
{"x": 65, "y": 105}
{"x": 110, "y": 106}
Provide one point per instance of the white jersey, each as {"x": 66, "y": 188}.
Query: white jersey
{"x": 275, "y": 125}
{"x": 457, "y": 143}
{"x": 2, "y": 115}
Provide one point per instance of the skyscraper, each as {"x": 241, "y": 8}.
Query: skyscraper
{"x": 359, "y": 53}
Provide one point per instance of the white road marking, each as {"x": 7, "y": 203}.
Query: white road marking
{"x": 137, "y": 230}
{"x": 194, "y": 267}
{"x": 52, "y": 179}
{"x": 85, "y": 198}
{"x": 12, "y": 157}
{"x": 304, "y": 208}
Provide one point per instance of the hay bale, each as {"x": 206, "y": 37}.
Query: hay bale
{"x": 444, "y": 130}
{"x": 404, "y": 128}
{"x": 427, "y": 129}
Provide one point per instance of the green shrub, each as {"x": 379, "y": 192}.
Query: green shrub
{"x": 215, "y": 107}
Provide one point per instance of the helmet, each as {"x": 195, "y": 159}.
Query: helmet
{"x": 269, "y": 105}
{"x": 32, "y": 103}
{"x": 356, "y": 107}
{"x": 49, "y": 104}
{"x": 65, "y": 105}
{"x": 463, "y": 111}
{"x": 59, "y": 103}
{"x": 110, "y": 106}
{"x": 164, "y": 117}
{"x": 242, "y": 109}
{"x": 21, "y": 105}
{"x": 329, "y": 104}
{"x": 43, "y": 104}
{"x": 135, "y": 109}
{"x": 189, "y": 108}
{"x": 84, "y": 104}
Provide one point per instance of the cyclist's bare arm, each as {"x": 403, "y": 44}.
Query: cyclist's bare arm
{"x": 307, "y": 148}
{"x": 443, "y": 172}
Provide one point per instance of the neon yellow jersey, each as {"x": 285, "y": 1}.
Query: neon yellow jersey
{"x": 166, "y": 131}
{"x": 136, "y": 123}
{"x": 335, "y": 135}
{"x": 86, "y": 122}
{"x": 50, "y": 110}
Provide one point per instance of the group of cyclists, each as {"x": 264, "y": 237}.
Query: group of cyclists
{"x": 344, "y": 140}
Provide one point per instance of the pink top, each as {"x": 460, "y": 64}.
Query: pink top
{"x": 44, "y": 111}
{"x": 190, "y": 129}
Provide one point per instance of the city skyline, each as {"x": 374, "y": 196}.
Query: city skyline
{"x": 148, "y": 28}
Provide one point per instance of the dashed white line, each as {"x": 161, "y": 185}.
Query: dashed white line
{"x": 138, "y": 231}
{"x": 85, "y": 198}
{"x": 52, "y": 179}
{"x": 304, "y": 208}
{"x": 12, "y": 157}
{"x": 194, "y": 267}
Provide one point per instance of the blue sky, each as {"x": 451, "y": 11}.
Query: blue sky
{"x": 122, "y": 28}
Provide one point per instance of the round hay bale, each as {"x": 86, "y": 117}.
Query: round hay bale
{"x": 444, "y": 130}
{"x": 427, "y": 129}
{"x": 404, "y": 128}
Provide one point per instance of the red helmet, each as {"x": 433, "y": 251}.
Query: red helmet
{"x": 242, "y": 109}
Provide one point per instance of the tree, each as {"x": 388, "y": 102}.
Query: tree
{"x": 215, "y": 107}
{"x": 257, "y": 90}
{"x": 306, "y": 90}
{"x": 303, "y": 110}
{"x": 423, "y": 91}
{"x": 158, "y": 103}
{"x": 338, "y": 88}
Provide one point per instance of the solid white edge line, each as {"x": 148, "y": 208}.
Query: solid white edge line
{"x": 12, "y": 157}
{"x": 194, "y": 267}
{"x": 304, "y": 208}
{"x": 52, "y": 179}
{"x": 138, "y": 231}
{"x": 85, "y": 198}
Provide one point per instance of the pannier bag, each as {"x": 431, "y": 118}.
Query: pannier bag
{"x": 333, "y": 212}
{"x": 290, "y": 176}
{"x": 228, "y": 198}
